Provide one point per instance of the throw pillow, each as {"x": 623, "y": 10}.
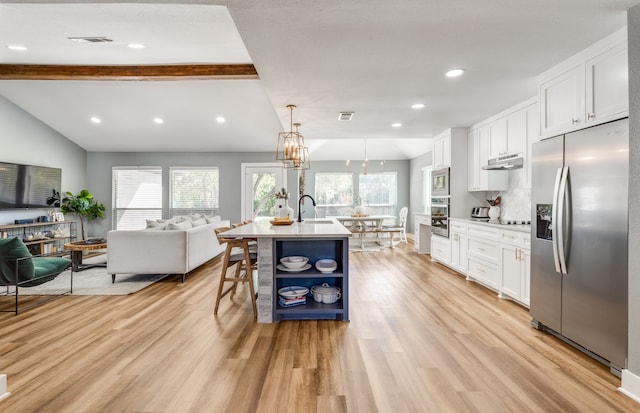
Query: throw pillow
{"x": 179, "y": 225}
{"x": 154, "y": 223}
{"x": 211, "y": 220}
{"x": 10, "y": 250}
{"x": 199, "y": 222}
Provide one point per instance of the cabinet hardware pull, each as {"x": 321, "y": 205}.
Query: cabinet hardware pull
{"x": 574, "y": 120}
{"x": 591, "y": 116}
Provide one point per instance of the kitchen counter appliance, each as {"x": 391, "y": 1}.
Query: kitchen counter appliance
{"x": 579, "y": 251}
{"x": 480, "y": 213}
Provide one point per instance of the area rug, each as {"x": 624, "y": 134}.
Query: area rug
{"x": 94, "y": 281}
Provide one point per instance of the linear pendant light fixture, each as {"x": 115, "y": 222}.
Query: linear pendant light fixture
{"x": 291, "y": 148}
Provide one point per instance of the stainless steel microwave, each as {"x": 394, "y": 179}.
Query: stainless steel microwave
{"x": 440, "y": 182}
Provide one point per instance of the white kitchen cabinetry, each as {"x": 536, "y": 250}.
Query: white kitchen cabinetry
{"x": 532, "y": 115}
{"x": 441, "y": 249}
{"x": 484, "y": 255}
{"x": 459, "y": 246}
{"x": 478, "y": 155}
{"x": 515, "y": 250}
{"x": 587, "y": 89}
{"x": 498, "y": 138}
{"x": 442, "y": 151}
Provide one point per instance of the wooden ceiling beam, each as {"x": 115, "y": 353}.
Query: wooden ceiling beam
{"x": 152, "y": 72}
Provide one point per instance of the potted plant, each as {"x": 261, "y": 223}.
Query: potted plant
{"x": 83, "y": 205}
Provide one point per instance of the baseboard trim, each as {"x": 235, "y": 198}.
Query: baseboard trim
{"x": 3, "y": 387}
{"x": 630, "y": 386}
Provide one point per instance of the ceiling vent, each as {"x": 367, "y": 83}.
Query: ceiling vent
{"x": 90, "y": 39}
{"x": 344, "y": 116}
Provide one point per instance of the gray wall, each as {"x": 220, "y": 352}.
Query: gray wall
{"x": 229, "y": 164}
{"x": 400, "y": 167}
{"x": 24, "y": 139}
{"x": 415, "y": 186}
{"x": 634, "y": 190}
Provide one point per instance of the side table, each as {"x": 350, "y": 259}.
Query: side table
{"x": 78, "y": 248}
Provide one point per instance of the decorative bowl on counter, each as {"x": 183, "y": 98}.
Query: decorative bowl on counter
{"x": 326, "y": 265}
{"x": 294, "y": 262}
{"x": 325, "y": 293}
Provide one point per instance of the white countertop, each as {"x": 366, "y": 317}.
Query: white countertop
{"x": 519, "y": 228}
{"x": 309, "y": 228}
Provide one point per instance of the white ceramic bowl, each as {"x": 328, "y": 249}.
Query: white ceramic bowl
{"x": 326, "y": 265}
{"x": 294, "y": 262}
{"x": 293, "y": 291}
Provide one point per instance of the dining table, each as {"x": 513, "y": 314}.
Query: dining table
{"x": 362, "y": 225}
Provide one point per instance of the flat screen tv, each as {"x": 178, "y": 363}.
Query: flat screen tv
{"x": 28, "y": 186}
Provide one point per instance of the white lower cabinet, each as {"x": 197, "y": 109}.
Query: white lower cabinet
{"x": 441, "y": 249}
{"x": 496, "y": 258}
{"x": 484, "y": 255}
{"x": 459, "y": 246}
{"x": 516, "y": 265}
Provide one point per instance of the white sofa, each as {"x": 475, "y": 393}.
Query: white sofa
{"x": 173, "y": 248}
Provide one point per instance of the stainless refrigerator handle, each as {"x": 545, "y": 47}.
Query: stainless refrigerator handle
{"x": 554, "y": 220}
{"x": 560, "y": 227}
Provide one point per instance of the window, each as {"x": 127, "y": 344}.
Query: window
{"x": 193, "y": 190}
{"x": 333, "y": 190}
{"x": 137, "y": 196}
{"x": 379, "y": 191}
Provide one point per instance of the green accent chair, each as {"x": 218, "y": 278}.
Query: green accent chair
{"x": 18, "y": 268}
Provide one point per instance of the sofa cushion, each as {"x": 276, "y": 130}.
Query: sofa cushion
{"x": 198, "y": 222}
{"x": 11, "y": 249}
{"x": 211, "y": 220}
{"x": 178, "y": 225}
{"x": 155, "y": 223}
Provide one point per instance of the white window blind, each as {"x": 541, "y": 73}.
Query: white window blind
{"x": 334, "y": 190}
{"x": 137, "y": 196}
{"x": 194, "y": 190}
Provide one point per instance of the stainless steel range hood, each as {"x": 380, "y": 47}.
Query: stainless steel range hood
{"x": 505, "y": 162}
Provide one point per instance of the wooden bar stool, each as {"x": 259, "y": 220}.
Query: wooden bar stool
{"x": 237, "y": 253}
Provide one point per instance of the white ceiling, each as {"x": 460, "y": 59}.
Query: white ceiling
{"x": 373, "y": 57}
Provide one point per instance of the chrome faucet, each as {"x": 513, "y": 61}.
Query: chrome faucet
{"x": 300, "y": 203}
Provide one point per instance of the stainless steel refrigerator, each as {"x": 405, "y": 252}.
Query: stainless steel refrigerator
{"x": 579, "y": 200}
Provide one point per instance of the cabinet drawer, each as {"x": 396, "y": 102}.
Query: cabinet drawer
{"x": 441, "y": 249}
{"x": 459, "y": 227}
{"x": 422, "y": 220}
{"x": 484, "y": 272}
{"x": 484, "y": 231}
{"x": 517, "y": 239}
{"x": 487, "y": 250}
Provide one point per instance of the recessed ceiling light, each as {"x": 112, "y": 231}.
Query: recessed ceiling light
{"x": 16, "y": 47}
{"x": 96, "y": 120}
{"x": 454, "y": 73}
{"x": 135, "y": 46}
{"x": 220, "y": 119}
{"x": 396, "y": 125}
{"x": 158, "y": 120}
{"x": 417, "y": 106}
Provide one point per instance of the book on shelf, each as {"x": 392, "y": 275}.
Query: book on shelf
{"x": 289, "y": 302}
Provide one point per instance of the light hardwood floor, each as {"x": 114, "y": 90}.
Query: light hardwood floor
{"x": 420, "y": 339}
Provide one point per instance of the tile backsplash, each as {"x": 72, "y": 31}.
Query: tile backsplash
{"x": 516, "y": 201}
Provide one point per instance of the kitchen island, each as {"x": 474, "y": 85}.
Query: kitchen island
{"x": 312, "y": 238}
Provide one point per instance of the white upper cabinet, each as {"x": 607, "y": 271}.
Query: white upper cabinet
{"x": 498, "y": 138}
{"x": 588, "y": 89}
{"x": 442, "y": 151}
{"x": 607, "y": 85}
{"x": 478, "y": 154}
